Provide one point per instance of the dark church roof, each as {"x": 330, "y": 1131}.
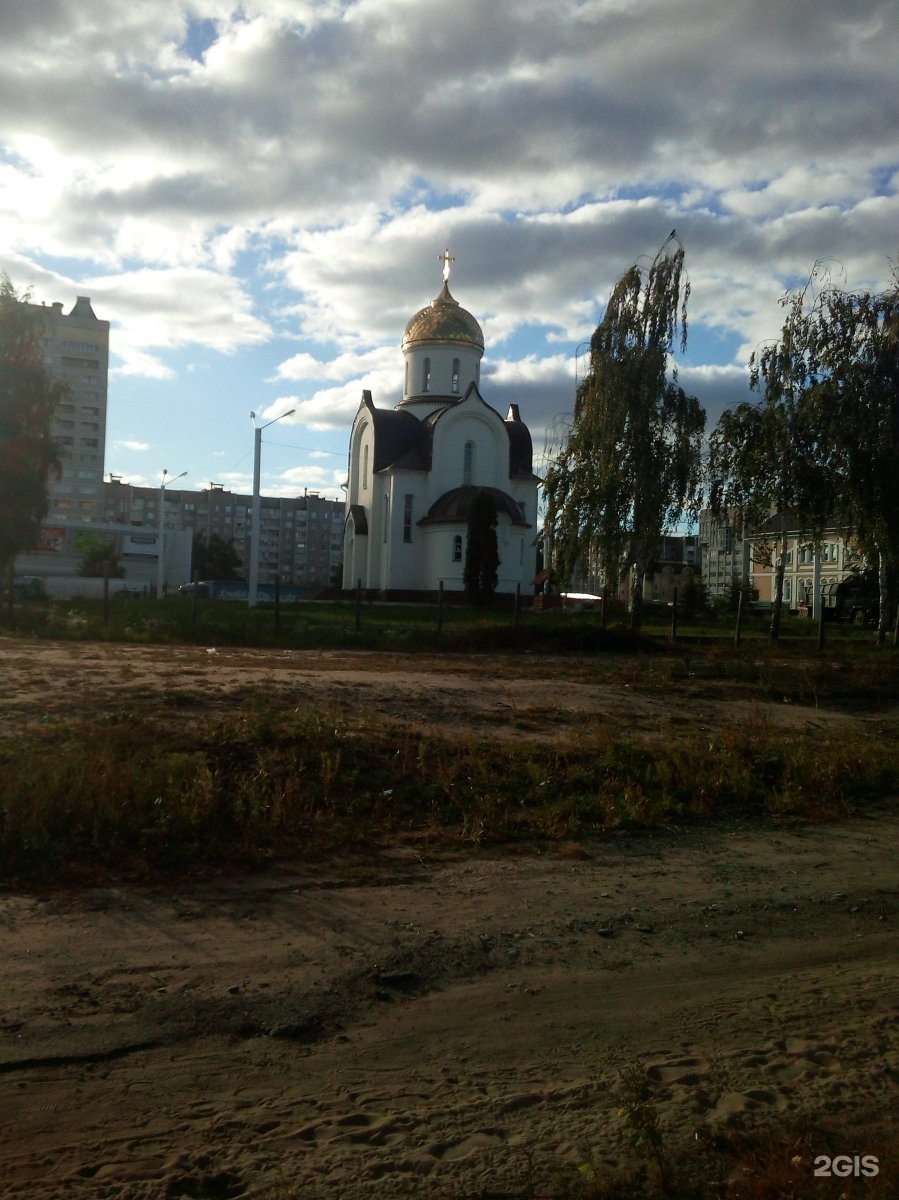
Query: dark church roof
{"x": 398, "y": 439}
{"x": 402, "y": 440}
{"x": 456, "y": 505}
{"x": 521, "y": 448}
{"x": 360, "y": 520}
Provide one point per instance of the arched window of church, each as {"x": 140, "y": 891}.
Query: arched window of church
{"x": 408, "y": 500}
{"x": 455, "y": 376}
{"x": 426, "y": 376}
{"x": 386, "y": 515}
{"x": 406, "y": 384}
{"x": 457, "y": 548}
{"x": 364, "y": 468}
{"x": 468, "y": 463}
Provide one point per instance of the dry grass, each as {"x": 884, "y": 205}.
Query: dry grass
{"x": 275, "y": 778}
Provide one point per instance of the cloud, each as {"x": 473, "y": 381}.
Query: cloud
{"x": 556, "y": 101}
{"x": 125, "y": 444}
{"x": 280, "y": 176}
{"x": 310, "y": 476}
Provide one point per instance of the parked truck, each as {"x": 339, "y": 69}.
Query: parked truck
{"x": 858, "y": 599}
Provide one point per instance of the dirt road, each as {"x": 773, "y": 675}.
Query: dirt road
{"x": 394, "y": 1027}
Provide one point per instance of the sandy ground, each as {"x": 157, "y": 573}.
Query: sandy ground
{"x": 452, "y": 1028}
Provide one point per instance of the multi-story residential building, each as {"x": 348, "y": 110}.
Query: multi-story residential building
{"x": 722, "y": 551}
{"x": 76, "y": 351}
{"x": 678, "y": 558}
{"x": 301, "y": 537}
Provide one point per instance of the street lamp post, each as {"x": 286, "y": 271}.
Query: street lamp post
{"x": 253, "y": 590}
{"x": 160, "y": 540}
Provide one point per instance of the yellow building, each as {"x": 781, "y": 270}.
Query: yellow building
{"x": 811, "y": 573}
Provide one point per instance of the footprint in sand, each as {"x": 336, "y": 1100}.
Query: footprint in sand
{"x": 454, "y": 1151}
{"x": 353, "y": 1129}
{"x": 732, "y": 1105}
{"x": 688, "y": 1072}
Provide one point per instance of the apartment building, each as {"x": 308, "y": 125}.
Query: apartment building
{"x": 301, "y": 537}
{"x": 678, "y": 558}
{"x": 723, "y": 555}
{"x": 76, "y": 351}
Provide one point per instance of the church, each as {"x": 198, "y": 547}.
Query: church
{"x": 415, "y": 469}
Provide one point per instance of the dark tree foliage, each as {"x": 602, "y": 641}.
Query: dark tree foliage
{"x": 854, "y": 351}
{"x": 822, "y": 445}
{"x": 481, "y": 573}
{"x": 99, "y": 558}
{"x": 216, "y": 558}
{"x": 28, "y": 398}
{"x": 630, "y": 468}
{"x": 764, "y": 458}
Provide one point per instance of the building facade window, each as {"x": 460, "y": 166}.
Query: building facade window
{"x": 364, "y": 468}
{"x": 386, "y": 516}
{"x": 455, "y": 376}
{"x": 426, "y": 376}
{"x": 457, "y": 548}
{"x": 407, "y": 517}
{"x": 468, "y": 463}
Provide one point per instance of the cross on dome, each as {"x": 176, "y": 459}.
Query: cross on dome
{"x": 446, "y": 258}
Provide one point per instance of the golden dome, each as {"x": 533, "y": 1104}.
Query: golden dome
{"x": 444, "y": 320}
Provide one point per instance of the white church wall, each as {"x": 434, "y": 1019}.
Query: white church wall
{"x": 515, "y": 569}
{"x": 440, "y": 379}
{"x": 405, "y": 556}
{"x": 355, "y": 557}
{"x": 437, "y": 558}
{"x": 490, "y": 460}
{"x": 361, "y": 460}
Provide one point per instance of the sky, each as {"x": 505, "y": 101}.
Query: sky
{"x": 256, "y": 195}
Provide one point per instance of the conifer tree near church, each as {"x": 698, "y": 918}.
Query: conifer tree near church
{"x": 481, "y": 551}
